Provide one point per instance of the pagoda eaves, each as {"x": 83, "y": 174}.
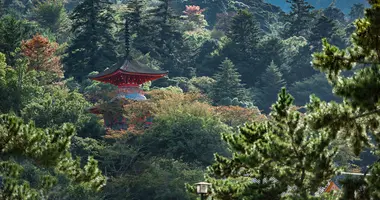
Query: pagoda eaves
{"x": 128, "y": 78}
{"x": 131, "y": 73}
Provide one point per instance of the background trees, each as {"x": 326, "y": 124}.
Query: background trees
{"x": 52, "y": 15}
{"x": 228, "y": 85}
{"x": 93, "y": 45}
{"x": 299, "y": 18}
{"x": 270, "y": 83}
{"x": 204, "y": 95}
{"x": 244, "y": 36}
{"x": 12, "y": 32}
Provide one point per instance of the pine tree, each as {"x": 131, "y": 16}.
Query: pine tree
{"x": 2, "y": 8}
{"x": 17, "y": 7}
{"x": 356, "y": 12}
{"x": 134, "y": 24}
{"x": 334, "y": 13}
{"x": 242, "y": 49}
{"x": 299, "y": 18}
{"x": 144, "y": 26}
{"x": 244, "y": 32}
{"x": 135, "y": 15}
{"x": 50, "y": 14}
{"x": 271, "y": 49}
{"x": 271, "y": 156}
{"x": 162, "y": 39}
{"x": 12, "y": 32}
{"x": 324, "y": 28}
{"x": 49, "y": 149}
{"x": 269, "y": 85}
{"x": 162, "y": 18}
{"x": 358, "y": 114}
{"x": 93, "y": 46}
{"x": 316, "y": 84}
{"x": 228, "y": 84}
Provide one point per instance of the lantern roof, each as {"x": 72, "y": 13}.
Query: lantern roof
{"x": 130, "y": 71}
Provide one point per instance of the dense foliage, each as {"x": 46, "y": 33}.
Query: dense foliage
{"x": 218, "y": 116}
{"x": 272, "y": 155}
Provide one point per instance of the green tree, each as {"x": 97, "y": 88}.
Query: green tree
{"x": 2, "y": 8}
{"x": 356, "y": 12}
{"x": 12, "y": 32}
{"x": 17, "y": 85}
{"x": 132, "y": 16}
{"x": 227, "y": 83}
{"x": 267, "y": 87}
{"x": 357, "y": 117}
{"x": 55, "y": 107}
{"x": 334, "y": 13}
{"x": 159, "y": 35}
{"x": 169, "y": 42}
{"x": 201, "y": 84}
{"x": 296, "y": 57}
{"x": 46, "y": 148}
{"x": 244, "y": 30}
{"x": 316, "y": 84}
{"x": 145, "y": 31}
{"x": 299, "y": 18}
{"x": 165, "y": 179}
{"x": 51, "y": 14}
{"x": 17, "y": 7}
{"x": 271, "y": 49}
{"x": 271, "y": 156}
{"x": 93, "y": 45}
{"x": 136, "y": 8}
{"x": 208, "y": 56}
{"x": 324, "y": 28}
{"x": 244, "y": 34}
{"x": 173, "y": 137}
{"x": 134, "y": 174}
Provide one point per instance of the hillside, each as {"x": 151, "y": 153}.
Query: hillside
{"x": 142, "y": 99}
{"x": 344, "y": 5}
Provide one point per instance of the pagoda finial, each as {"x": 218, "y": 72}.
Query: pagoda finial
{"x": 127, "y": 36}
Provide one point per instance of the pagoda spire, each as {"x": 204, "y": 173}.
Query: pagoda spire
{"x": 127, "y": 37}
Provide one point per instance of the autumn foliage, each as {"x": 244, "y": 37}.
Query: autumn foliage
{"x": 163, "y": 103}
{"x": 41, "y": 54}
{"x": 237, "y": 116}
{"x": 193, "y": 10}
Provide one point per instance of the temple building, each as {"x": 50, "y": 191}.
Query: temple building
{"x": 128, "y": 78}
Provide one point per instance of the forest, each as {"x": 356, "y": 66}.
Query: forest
{"x": 344, "y": 5}
{"x": 260, "y": 102}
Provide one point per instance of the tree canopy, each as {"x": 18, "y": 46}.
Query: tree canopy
{"x": 220, "y": 115}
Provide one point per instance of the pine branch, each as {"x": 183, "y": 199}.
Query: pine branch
{"x": 356, "y": 61}
{"x": 365, "y": 114}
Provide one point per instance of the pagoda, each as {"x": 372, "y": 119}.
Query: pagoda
{"x": 128, "y": 78}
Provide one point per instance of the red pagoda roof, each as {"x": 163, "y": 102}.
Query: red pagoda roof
{"x": 130, "y": 73}
{"x": 332, "y": 186}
